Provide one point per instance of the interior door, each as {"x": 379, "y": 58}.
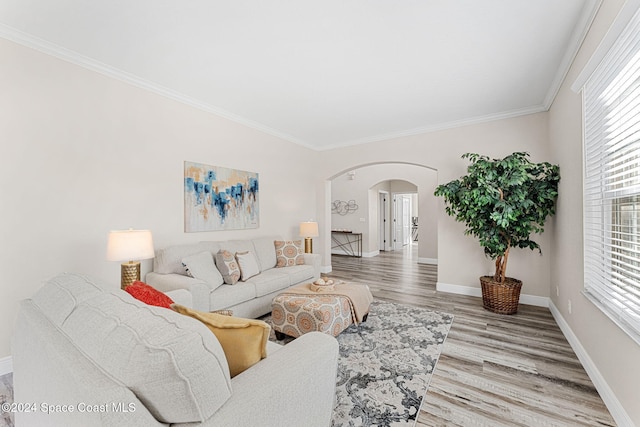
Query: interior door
{"x": 406, "y": 219}
{"x": 382, "y": 220}
{"x": 398, "y": 218}
{"x": 401, "y": 220}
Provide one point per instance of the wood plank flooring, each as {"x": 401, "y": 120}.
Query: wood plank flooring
{"x": 495, "y": 370}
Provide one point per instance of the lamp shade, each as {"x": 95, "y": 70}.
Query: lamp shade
{"x": 309, "y": 229}
{"x": 129, "y": 245}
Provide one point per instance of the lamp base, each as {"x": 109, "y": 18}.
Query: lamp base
{"x": 129, "y": 273}
{"x": 308, "y": 245}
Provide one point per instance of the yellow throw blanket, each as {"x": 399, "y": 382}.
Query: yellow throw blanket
{"x": 359, "y": 296}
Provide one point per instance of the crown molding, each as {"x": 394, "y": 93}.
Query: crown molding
{"x": 76, "y": 58}
{"x": 438, "y": 127}
{"x": 580, "y": 32}
{"x": 626, "y": 13}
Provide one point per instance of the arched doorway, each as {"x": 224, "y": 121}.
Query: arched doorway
{"x": 361, "y": 187}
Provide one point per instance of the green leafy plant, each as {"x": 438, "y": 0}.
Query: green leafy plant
{"x": 502, "y": 202}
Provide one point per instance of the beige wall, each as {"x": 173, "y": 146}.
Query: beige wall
{"x": 364, "y": 190}
{"x": 460, "y": 259}
{"x": 83, "y": 154}
{"x": 611, "y": 351}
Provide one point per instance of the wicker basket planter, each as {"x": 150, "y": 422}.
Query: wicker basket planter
{"x": 501, "y": 298}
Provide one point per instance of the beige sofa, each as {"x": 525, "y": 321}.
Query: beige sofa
{"x": 86, "y": 356}
{"x": 251, "y": 298}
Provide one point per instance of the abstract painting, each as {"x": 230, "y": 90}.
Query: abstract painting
{"x": 217, "y": 198}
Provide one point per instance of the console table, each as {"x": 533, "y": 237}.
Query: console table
{"x": 350, "y": 243}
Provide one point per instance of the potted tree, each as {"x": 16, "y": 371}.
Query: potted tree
{"x": 502, "y": 202}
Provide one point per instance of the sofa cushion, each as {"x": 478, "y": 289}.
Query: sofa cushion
{"x": 228, "y": 266}
{"x": 229, "y": 295}
{"x": 172, "y": 363}
{"x": 265, "y": 252}
{"x": 248, "y": 265}
{"x": 271, "y": 281}
{"x": 289, "y": 253}
{"x": 148, "y": 295}
{"x": 299, "y": 273}
{"x": 244, "y": 341}
{"x": 201, "y": 266}
{"x": 169, "y": 259}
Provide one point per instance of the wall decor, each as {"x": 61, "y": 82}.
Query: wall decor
{"x": 217, "y": 198}
{"x": 342, "y": 208}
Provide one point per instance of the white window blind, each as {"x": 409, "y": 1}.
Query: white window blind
{"x": 611, "y": 99}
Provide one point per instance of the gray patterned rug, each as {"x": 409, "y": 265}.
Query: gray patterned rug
{"x": 385, "y": 365}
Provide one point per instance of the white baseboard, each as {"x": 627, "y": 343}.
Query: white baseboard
{"x": 608, "y": 397}
{"x": 477, "y": 292}
{"x": 458, "y": 289}
{"x": 534, "y": 300}
{"x": 432, "y": 261}
{"x": 6, "y": 365}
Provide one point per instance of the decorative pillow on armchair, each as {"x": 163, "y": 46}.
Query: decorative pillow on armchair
{"x": 228, "y": 266}
{"x": 148, "y": 295}
{"x": 289, "y": 253}
{"x": 244, "y": 341}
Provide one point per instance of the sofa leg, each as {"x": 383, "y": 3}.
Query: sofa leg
{"x": 280, "y": 336}
{"x": 364, "y": 318}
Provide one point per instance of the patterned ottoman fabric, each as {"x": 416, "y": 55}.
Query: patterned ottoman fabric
{"x": 295, "y": 315}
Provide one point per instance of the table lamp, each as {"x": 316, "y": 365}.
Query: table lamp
{"x": 308, "y": 230}
{"x": 131, "y": 246}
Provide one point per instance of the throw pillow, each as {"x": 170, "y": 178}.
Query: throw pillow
{"x": 228, "y": 266}
{"x": 244, "y": 341}
{"x": 248, "y": 265}
{"x": 289, "y": 253}
{"x": 201, "y": 266}
{"x": 149, "y": 295}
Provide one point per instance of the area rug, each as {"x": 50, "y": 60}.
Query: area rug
{"x": 385, "y": 365}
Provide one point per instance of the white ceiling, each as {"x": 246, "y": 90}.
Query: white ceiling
{"x": 321, "y": 73}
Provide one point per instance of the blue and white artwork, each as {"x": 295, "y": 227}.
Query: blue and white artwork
{"x": 217, "y": 198}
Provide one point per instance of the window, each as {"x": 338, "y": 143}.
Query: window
{"x": 612, "y": 182}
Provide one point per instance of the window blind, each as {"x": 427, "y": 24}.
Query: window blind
{"x": 611, "y": 98}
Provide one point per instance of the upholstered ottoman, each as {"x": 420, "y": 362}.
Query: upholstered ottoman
{"x": 295, "y": 315}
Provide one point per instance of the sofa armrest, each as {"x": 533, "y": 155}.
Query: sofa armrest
{"x": 314, "y": 260}
{"x": 181, "y": 296}
{"x": 170, "y": 281}
{"x": 296, "y": 383}
{"x": 201, "y": 292}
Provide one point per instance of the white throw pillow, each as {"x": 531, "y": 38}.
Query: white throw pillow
{"x": 201, "y": 266}
{"x": 248, "y": 265}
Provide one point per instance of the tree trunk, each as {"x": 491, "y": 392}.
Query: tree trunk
{"x": 496, "y": 275}
{"x": 501, "y": 261}
{"x": 504, "y": 264}
{"x": 501, "y": 266}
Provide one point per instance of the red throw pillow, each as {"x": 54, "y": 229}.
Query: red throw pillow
{"x": 149, "y": 295}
